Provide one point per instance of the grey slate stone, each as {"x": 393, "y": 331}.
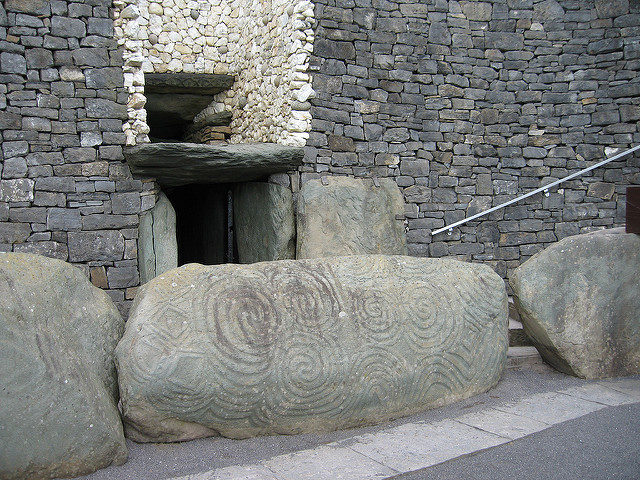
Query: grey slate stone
{"x": 477, "y": 11}
{"x": 157, "y": 244}
{"x": 103, "y": 108}
{"x": 579, "y": 301}
{"x": 46, "y": 248}
{"x": 39, "y": 58}
{"x": 109, "y": 77}
{"x": 176, "y": 164}
{"x": 67, "y": 27}
{"x": 350, "y": 216}
{"x": 64, "y": 219}
{"x": 14, "y": 232}
{"x": 96, "y": 245}
{"x": 300, "y": 345}
{"x": 18, "y": 190}
{"x": 14, "y": 168}
{"x": 58, "y": 402}
{"x": 264, "y": 222}
{"x": 34, "y": 7}
{"x": 13, "y": 63}
{"x": 611, "y": 8}
{"x": 504, "y": 41}
{"x": 125, "y": 203}
{"x": 122, "y": 277}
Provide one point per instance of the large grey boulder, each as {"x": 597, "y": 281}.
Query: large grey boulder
{"x": 157, "y": 241}
{"x": 350, "y": 216}
{"x": 264, "y": 222}
{"x": 58, "y": 413}
{"x": 307, "y": 345}
{"x": 579, "y": 301}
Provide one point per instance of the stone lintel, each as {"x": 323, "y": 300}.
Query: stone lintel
{"x": 175, "y": 164}
{"x": 193, "y": 83}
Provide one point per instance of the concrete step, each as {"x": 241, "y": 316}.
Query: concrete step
{"x": 525, "y": 357}
{"x": 517, "y": 337}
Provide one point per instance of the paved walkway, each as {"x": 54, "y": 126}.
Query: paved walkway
{"x": 414, "y": 446}
{"x": 530, "y": 399}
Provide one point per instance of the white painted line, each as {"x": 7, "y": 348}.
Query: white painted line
{"x": 327, "y": 462}
{"x": 416, "y": 445}
{"x": 502, "y": 423}
{"x": 596, "y": 392}
{"x": 551, "y": 407}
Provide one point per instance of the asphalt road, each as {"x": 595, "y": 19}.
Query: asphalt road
{"x": 602, "y": 445}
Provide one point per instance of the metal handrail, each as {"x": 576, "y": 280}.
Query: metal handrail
{"x": 533, "y": 192}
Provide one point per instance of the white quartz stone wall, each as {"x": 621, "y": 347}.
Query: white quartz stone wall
{"x": 266, "y": 45}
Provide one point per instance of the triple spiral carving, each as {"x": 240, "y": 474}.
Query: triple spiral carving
{"x": 291, "y": 346}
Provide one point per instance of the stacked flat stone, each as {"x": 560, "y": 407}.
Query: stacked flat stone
{"x": 64, "y": 190}
{"x": 468, "y": 104}
{"x": 265, "y": 45}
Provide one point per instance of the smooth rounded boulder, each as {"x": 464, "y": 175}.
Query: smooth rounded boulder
{"x": 579, "y": 301}
{"x": 310, "y": 345}
{"x": 58, "y": 401}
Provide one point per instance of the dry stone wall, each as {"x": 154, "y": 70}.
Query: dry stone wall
{"x": 65, "y": 191}
{"x": 468, "y": 104}
{"x": 265, "y": 45}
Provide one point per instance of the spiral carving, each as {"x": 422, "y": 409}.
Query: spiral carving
{"x": 295, "y": 346}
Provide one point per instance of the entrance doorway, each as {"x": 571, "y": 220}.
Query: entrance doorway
{"x": 204, "y": 223}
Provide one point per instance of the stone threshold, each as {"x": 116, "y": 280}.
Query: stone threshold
{"x": 175, "y": 164}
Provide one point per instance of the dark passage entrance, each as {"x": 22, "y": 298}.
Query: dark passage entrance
{"x": 204, "y": 223}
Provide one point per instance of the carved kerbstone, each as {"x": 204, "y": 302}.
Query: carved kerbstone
{"x": 58, "y": 413}
{"x": 350, "y": 216}
{"x": 579, "y": 302}
{"x": 307, "y": 345}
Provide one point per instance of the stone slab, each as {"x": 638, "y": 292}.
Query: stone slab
{"x": 175, "y": 164}
{"x": 328, "y": 462}
{"x": 598, "y": 393}
{"x": 628, "y": 386}
{"x": 235, "y": 472}
{"x": 350, "y": 216}
{"x": 157, "y": 241}
{"x": 551, "y": 407}
{"x": 503, "y": 424}
{"x": 180, "y": 82}
{"x": 415, "y": 446}
{"x": 264, "y": 222}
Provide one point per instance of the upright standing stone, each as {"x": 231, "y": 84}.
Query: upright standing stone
{"x": 157, "y": 243}
{"x": 350, "y": 216}
{"x": 579, "y": 301}
{"x": 307, "y": 345}
{"x": 264, "y": 222}
{"x": 58, "y": 413}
